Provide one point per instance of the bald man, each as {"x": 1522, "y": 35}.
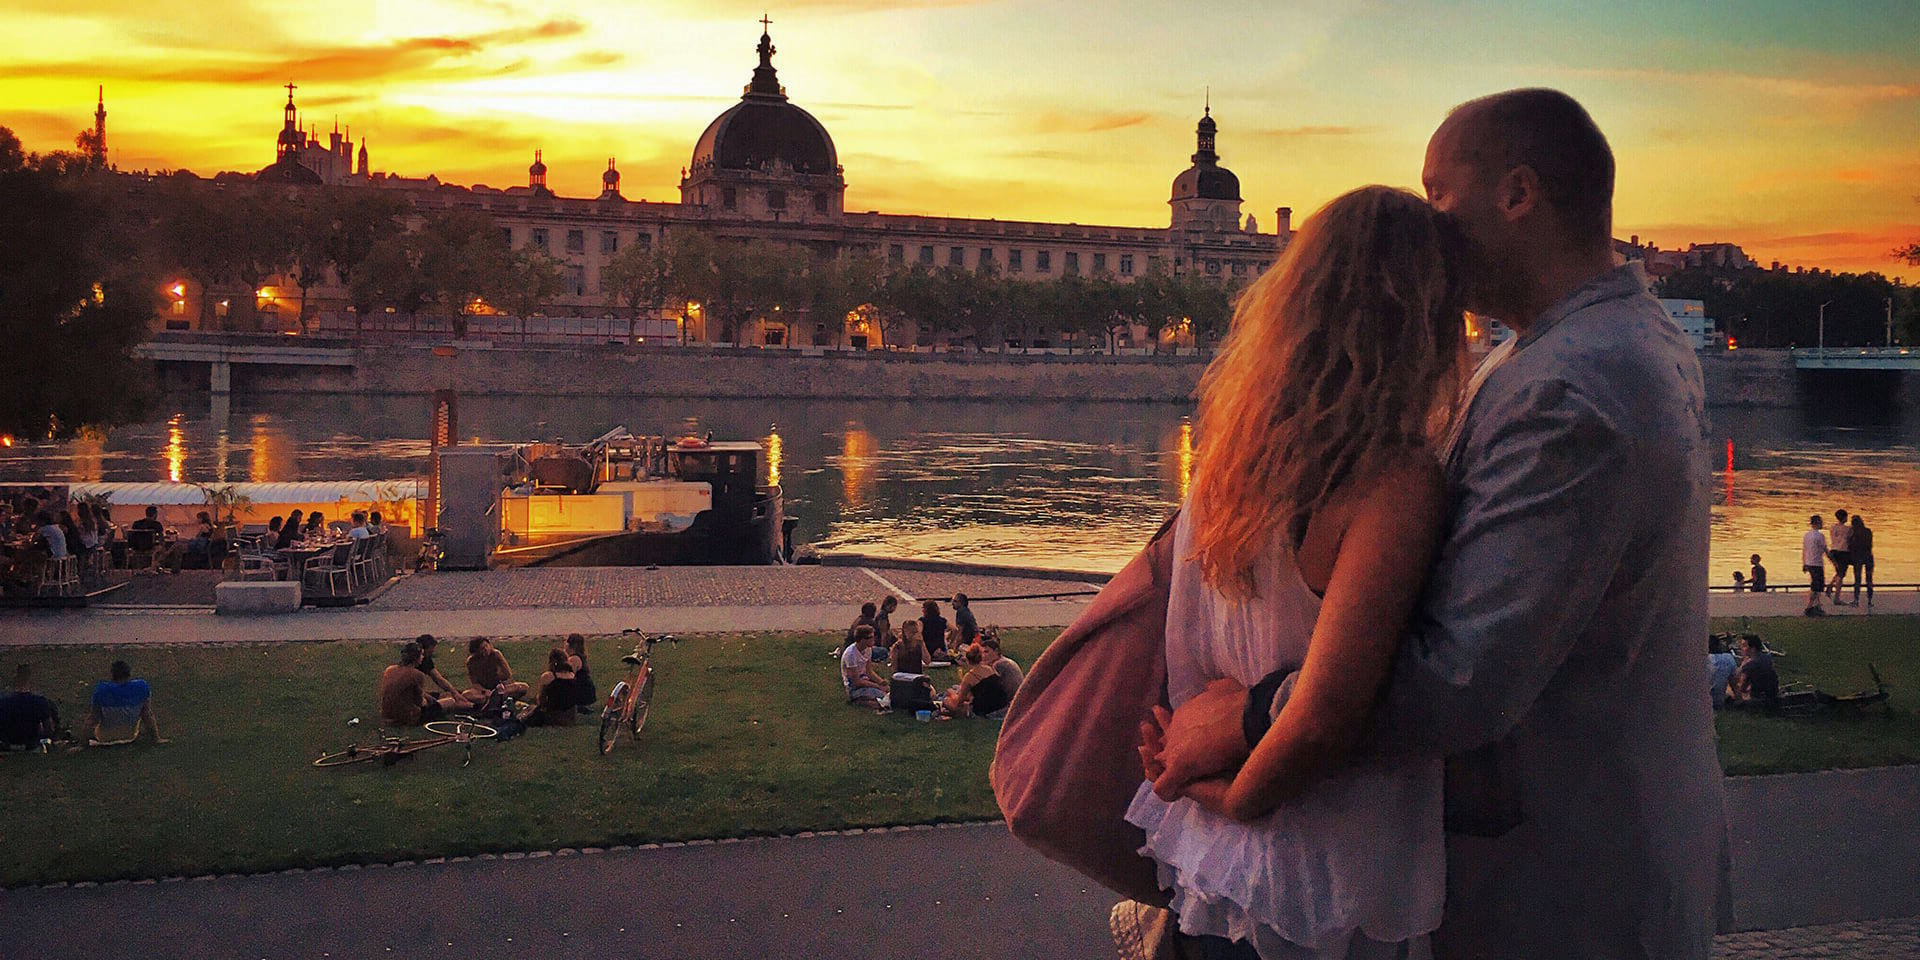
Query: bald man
{"x": 1552, "y": 660}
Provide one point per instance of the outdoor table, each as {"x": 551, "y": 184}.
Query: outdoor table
{"x": 297, "y": 557}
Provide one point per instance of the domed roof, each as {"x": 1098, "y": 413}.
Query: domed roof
{"x": 538, "y": 166}
{"x": 288, "y": 169}
{"x": 612, "y": 177}
{"x": 1206, "y": 179}
{"x": 764, "y": 128}
{"x": 1206, "y": 183}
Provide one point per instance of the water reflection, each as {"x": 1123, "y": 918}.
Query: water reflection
{"x": 1054, "y": 483}
{"x": 176, "y": 449}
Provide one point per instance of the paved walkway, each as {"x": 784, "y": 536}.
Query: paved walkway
{"x": 555, "y": 601}
{"x": 1815, "y": 856}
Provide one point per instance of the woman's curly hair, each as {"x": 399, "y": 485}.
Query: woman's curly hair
{"x": 1351, "y": 346}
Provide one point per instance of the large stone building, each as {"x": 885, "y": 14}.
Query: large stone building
{"x": 767, "y": 169}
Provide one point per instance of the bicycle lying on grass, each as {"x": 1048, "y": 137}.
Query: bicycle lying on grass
{"x": 627, "y": 702}
{"x": 390, "y": 750}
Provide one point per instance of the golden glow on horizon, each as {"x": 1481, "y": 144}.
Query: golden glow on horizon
{"x": 1788, "y": 133}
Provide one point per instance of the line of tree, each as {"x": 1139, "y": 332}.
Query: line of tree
{"x": 738, "y": 282}
{"x": 75, "y": 298}
{"x": 1777, "y": 308}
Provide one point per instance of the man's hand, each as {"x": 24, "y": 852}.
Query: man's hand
{"x": 1152, "y": 741}
{"x": 1202, "y": 738}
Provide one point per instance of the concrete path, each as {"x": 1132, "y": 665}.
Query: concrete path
{"x": 1828, "y": 849}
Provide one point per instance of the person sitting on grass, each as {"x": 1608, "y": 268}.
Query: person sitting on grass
{"x": 862, "y": 681}
{"x": 405, "y": 699}
{"x": 488, "y": 671}
{"x": 963, "y": 621}
{"x": 121, "y": 706}
{"x": 577, "y": 658}
{"x": 910, "y": 651}
{"x": 26, "y": 717}
{"x": 933, "y": 629}
{"x": 979, "y": 692}
{"x": 1011, "y": 676}
{"x": 883, "y": 635}
{"x": 868, "y": 611}
{"x": 560, "y": 694}
{"x": 429, "y": 643}
{"x": 1721, "y": 663}
{"x": 1756, "y": 682}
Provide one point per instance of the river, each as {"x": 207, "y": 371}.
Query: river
{"x": 1055, "y": 484}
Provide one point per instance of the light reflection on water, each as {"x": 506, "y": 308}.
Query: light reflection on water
{"x": 1077, "y": 485}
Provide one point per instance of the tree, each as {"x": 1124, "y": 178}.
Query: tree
{"x": 74, "y": 299}
{"x": 529, "y": 280}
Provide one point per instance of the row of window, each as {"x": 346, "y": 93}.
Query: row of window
{"x": 576, "y": 240}
{"x": 776, "y": 200}
{"x": 1017, "y": 260}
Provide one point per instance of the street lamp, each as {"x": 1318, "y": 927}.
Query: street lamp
{"x": 1823, "y": 326}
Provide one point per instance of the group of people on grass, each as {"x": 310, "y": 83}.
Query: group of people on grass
{"x": 887, "y": 670}
{"x": 119, "y": 708}
{"x": 1744, "y": 678}
{"x": 413, "y": 691}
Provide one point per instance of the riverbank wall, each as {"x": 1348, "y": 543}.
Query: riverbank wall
{"x": 1746, "y": 378}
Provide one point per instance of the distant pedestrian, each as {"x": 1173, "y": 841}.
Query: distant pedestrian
{"x": 1757, "y": 577}
{"x": 1739, "y": 582}
{"x": 1860, "y": 549}
{"x": 1813, "y": 558}
{"x": 1837, "y": 548}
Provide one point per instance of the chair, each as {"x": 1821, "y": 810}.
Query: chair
{"x": 259, "y": 566}
{"x": 93, "y": 563}
{"x": 365, "y": 568}
{"x": 330, "y": 568}
{"x": 60, "y": 576}
{"x": 143, "y": 550}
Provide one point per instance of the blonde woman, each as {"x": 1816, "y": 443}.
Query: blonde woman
{"x": 1315, "y": 510}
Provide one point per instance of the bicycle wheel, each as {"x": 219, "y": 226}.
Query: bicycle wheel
{"x": 641, "y": 702}
{"x": 611, "y": 716}
{"x": 353, "y": 754}
{"x": 458, "y": 728}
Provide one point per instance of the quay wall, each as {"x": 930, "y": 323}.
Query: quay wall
{"x": 1747, "y": 378}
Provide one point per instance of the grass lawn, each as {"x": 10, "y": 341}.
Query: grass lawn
{"x": 749, "y": 735}
{"x": 1831, "y": 654}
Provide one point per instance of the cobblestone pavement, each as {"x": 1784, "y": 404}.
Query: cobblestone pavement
{"x": 1897, "y": 939}
{"x": 681, "y": 587}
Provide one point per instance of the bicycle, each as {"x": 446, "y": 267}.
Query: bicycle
{"x": 390, "y": 750}
{"x": 627, "y": 702}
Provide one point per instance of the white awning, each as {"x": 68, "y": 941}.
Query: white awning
{"x": 310, "y": 491}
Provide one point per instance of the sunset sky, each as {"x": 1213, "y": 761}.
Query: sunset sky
{"x": 1792, "y": 127}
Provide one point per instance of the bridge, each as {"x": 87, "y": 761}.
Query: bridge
{"x": 1856, "y": 358}
{"x": 221, "y": 351}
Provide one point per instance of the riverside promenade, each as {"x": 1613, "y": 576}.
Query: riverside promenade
{"x": 1825, "y": 864}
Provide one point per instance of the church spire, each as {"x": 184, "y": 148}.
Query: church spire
{"x": 1204, "y": 154}
{"x": 97, "y": 144}
{"x": 765, "y": 83}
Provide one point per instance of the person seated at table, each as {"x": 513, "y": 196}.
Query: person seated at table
{"x": 271, "y": 539}
{"x": 50, "y": 536}
{"x": 70, "y": 529}
{"x": 979, "y": 692}
{"x": 200, "y": 551}
{"x": 375, "y": 525}
{"x": 23, "y": 524}
{"x": 405, "y": 700}
{"x": 91, "y": 533}
{"x": 122, "y": 705}
{"x": 316, "y": 526}
{"x": 359, "y": 531}
{"x": 289, "y": 532}
{"x": 489, "y": 673}
{"x": 560, "y": 694}
{"x": 165, "y": 554}
{"x": 26, "y": 717}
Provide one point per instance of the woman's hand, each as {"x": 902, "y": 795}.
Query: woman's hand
{"x": 1211, "y": 795}
{"x": 1152, "y": 741}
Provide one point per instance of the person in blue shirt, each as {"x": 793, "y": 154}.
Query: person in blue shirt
{"x": 121, "y": 706}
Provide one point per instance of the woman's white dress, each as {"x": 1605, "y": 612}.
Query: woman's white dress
{"x": 1355, "y": 866}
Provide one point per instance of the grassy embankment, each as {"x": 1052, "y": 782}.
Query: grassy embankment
{"x": 749, "y": 736}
